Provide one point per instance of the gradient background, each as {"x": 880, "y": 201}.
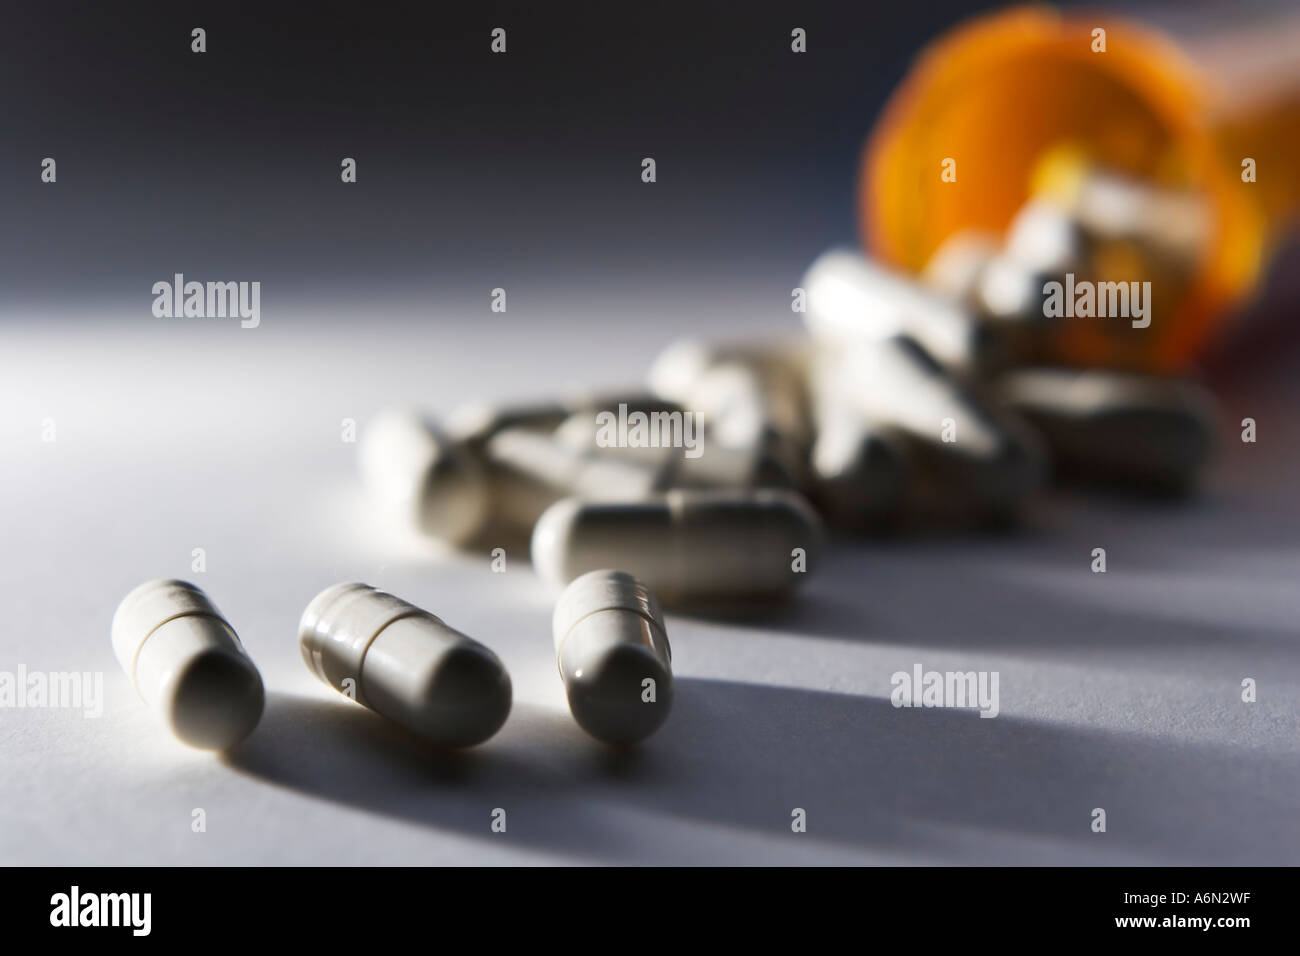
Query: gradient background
{"x": 523, "y": 171}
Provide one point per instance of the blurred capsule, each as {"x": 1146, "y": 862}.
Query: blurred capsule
{"x": 1047, "y": 239}
{"x": 475, "y": 423}
{"x": 778, "y": 366}
{"x": 851, "y": 299}
{"x": 858, "y": 468}
{"x": 685, "y": 546}
{"x": 960, "y": 454}
{"x": 1010, "y": 300}
{"x": 1149, "y": 432}
{"x": 742, "y": 400}
{"x": 1009, "y": 290}
{"x": 529, "y": 471}
{"x": 1004, "y": 292}
{"x": 436, "y": 484}
{"x": 611, "y": 646}
{"x": 676, "y": 444}
{"x": 1169, "y": 224}
{"x": 651, "y": 447}
{"x": 745, "y": 414}
{"x": 956, "y": 266}
{"x": 859, "y": 472}
{"x": 737, "y": 467}
{"x": 751, "y": 398}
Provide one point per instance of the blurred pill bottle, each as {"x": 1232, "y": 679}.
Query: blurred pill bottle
{"x": 1185, "y": 107}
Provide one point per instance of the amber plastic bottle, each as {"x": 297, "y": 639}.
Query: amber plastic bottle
{"x": 997, "y": 93}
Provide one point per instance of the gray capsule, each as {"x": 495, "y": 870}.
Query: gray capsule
{"x": 1117, "y": 427}
{"x": 187, "y": 664}
{"x": 686, "y": 546}
{"x": 852, "y": 299}
{"x": 402, "y": 662}
{"x": 961, "y": 453}
{"x": 612, "y": 650}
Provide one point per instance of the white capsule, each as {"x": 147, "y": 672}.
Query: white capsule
{"x": 852, "y": 299}
{"x": 186, "y": 662}
{"x": 686, "y": 546}
{"x": 611, "y": 646}
{"x": 402, "y": 662}
{"x": 960, "y": 452}
{"x": 433, "y": 482}
{"x": 1119, "y": 427}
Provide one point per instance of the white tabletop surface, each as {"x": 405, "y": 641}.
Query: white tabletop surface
{"x": 1120, "y": 691}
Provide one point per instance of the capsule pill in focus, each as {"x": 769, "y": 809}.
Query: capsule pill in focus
{"x": 406, "y": 664}
{"x": 612, "y": 650}
{"x": 186, "y": 662}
